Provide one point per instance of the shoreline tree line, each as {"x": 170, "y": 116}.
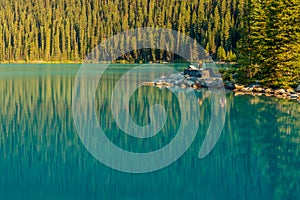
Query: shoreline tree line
{"x": 262, "y": 35}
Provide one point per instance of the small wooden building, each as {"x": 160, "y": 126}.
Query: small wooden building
{"x": 190, "y": 72}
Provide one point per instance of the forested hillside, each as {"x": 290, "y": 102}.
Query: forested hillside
{"x": 66, "y": 30}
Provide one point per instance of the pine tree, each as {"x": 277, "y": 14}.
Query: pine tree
{"x": 281, "y": 64}
{"x": 221, "y": 53}
{"x": 270, "y": 50}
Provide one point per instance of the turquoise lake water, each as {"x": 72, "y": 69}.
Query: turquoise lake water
{"x": 41, "y": 155}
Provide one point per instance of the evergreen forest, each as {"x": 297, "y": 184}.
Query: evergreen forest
{"x": 262, "y": 36}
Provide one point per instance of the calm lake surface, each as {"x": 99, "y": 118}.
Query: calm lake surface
{"x": 41, "y": 155}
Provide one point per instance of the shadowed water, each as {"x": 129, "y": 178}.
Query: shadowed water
{"x": 41, "y": 155}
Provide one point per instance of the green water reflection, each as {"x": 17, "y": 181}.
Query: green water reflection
{"x": 257, "y": 155}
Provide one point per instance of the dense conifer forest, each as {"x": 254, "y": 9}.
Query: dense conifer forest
{"x": 66, "y": 30}
{"x": 262, "y": 35}
{"x": 270, "y": 46}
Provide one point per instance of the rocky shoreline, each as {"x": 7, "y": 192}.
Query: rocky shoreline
{"x": 179, "y": 80}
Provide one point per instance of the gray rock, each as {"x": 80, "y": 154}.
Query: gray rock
{"x": 298, "y": 88}
{"x": 290, "y": 90}
{"x": 177, "y": 82}
{"x": 257, "y": 89}
{"x": 294, "y": 96}
{"x": 176, "y": 76}
{"x": 166, "y": 83}
{"x": 280, "y": 92}
{"x": 190, "y": 83}
{"x": 247, "y": 89}
{"x": 269, "y": 90}
{"x": 168, "y": 80}
{"x": 148, "y": 83}
{"x": 238, "y": 87}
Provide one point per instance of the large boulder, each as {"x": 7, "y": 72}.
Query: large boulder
{"x": 257, "y": 89}
{"x": 298, "y": 88}
{"x": 238, "y": 87}
{"x": 190, "y": 83}
{"x": 280, "y": 91}
{"x": 269, "y": 91}
{"x": 290, "y": 90}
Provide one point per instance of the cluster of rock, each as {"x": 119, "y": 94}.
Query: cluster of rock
{"x": 185, "y": 81}
{"x": 258, "y": 90}
{"x": 180, "y": 80}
